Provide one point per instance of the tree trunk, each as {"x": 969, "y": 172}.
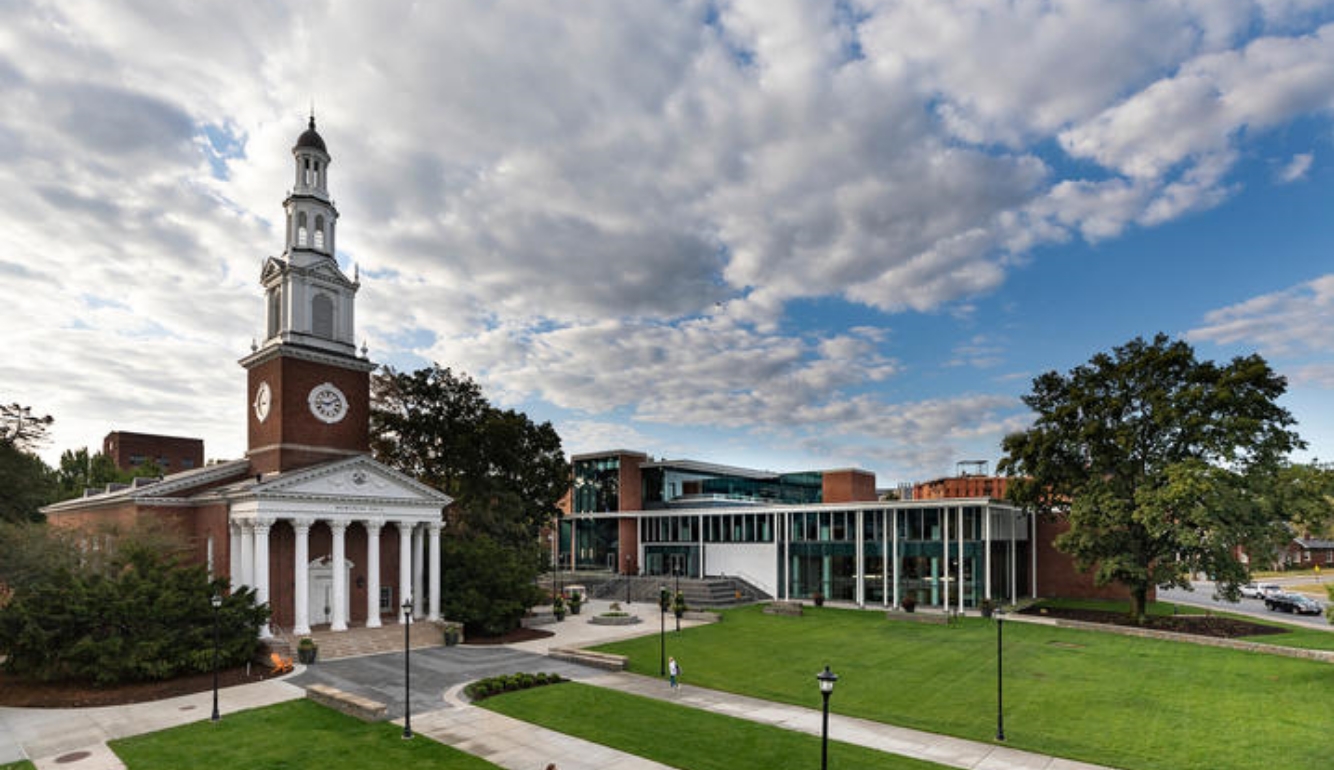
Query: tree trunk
{"x": 1138, "y": 602}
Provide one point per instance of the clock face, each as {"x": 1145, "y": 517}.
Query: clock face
{"x": 327, "y": 403}
{"x": 263, "y": 400}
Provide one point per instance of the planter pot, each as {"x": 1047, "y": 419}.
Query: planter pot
{"x": 574, "y": 609}
{"x": 307, "y": 654}
{"x": 451, "y": 638}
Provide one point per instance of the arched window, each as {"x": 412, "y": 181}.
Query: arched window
{"x": 319, "y": 231}
{"x": 301, "y": 228}
{"x": 275, "y": 312}
{"x": 322, "y": 316}
{"x": 310, "y": 174}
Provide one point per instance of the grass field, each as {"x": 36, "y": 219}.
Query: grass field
{"x": 20, "y": 765}
{"x": 1112, "y": 700}
{"x": 679, "y": 736}
{"x": 296, "y": 734}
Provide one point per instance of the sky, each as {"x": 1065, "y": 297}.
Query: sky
{"x": 779, "y": 235}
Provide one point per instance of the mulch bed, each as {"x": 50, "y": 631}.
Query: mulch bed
{"x": 1198, "y": 625}
{"x": 517, "y": 635}
{"x": 26, "y": 693}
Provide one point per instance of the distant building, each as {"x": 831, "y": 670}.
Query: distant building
{"x": 948, "y": 543}
{"x": 131, "y": 451}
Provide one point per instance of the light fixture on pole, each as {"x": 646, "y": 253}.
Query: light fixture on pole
{"x": 676, "y": 573}
{"x": 627, "y": 578}
{"x": 662, "y": 630}
{"x": 826, "y": 679}
{"x": 216, "y": 601}
{"x": 1000, "y": 710}
{"x": 407, "y": 670}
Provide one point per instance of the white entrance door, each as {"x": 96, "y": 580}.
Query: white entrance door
{"x": 320, "y": 580}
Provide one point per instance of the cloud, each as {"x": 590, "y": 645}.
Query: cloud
{"x": 1285, "y": 323}
{"x": 1295, "y": 169}
{"x": 608, "y": 207}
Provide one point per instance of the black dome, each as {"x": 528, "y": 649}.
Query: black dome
{"x": 311, "y": 138}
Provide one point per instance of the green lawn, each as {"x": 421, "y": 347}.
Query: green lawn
{"x": 1108, "y": 699}
{"x": 296, "y": 734}
{"x": 20, "y": 765}
{"x": 679, "y": 736}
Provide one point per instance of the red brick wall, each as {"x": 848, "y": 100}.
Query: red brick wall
{"x": 848, "y": 486}
{"x": 631, "y": 483}
{"x": 962, "y": 486}
{"x": 1057, "y": 575}
{"x": 291, "y": 436}
{"x": 628, "y": 535}
{"x": 178, "y": 453}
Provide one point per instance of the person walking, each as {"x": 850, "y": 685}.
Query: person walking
{"x": 674, "y": 671}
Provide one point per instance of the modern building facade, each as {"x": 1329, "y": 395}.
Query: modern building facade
{"x": 323, "y": 533}
{"x": 794, "y": 535}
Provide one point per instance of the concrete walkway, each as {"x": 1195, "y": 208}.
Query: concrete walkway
{"x": 76, "y": 738}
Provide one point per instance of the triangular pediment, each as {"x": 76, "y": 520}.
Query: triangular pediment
{"x": 355, "y": 478}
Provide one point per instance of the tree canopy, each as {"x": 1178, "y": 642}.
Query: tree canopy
{"x": 1163, "y": 465}
{"x": 26, "y": 483}
{"x": 505, "y": 473}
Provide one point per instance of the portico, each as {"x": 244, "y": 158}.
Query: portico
{"x": 332, "y": 519}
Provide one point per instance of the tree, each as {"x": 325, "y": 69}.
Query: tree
{"x": 26, "y": 483}
{"x": 78, "y": 472}
{"x": 132, "y": 610}
{"x": 20, "y": 428}
{"x": 1161, "y": 464}
{"x": 505, "y": 473}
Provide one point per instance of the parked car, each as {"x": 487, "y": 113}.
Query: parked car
{"x": 1286, "y": 602}
{"x": 1270, "y": 589}
{"x": 1252, "y": 591}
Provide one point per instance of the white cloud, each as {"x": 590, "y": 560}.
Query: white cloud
{"x": 607, "y": 206}
{"x": 1295, "y": 169}
{"x": 1281, "y": 324}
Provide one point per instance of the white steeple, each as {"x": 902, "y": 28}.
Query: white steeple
{"x": 309, "y": 300}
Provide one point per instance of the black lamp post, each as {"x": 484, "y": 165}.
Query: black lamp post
{"x": 676, "y": 573}
{"x": 662, "y": 630}
{"x": 216, "y": 601}
{"x": 1000, "y": 711}
{"x": 627, "y": 578}
{"x": 827, "y": 679}
{"x": 407, "y": 670}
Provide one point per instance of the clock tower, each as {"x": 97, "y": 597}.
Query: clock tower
{"x": 308, "y": 394}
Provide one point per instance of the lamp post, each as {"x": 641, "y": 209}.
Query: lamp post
{"x": 662, "y": 630}
{"x": 676, "y": 573}
{"x": 826, "y": 679}
{"x": 216, "y": 601}
{"x": 627, "y": 578}
{"x": 1000, "y": 711}
{"x": 407, "y": 670}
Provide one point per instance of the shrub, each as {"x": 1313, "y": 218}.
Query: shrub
{"x": 495, "y": 685}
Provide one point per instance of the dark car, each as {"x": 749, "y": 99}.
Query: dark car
{"x": 1288, "y": 602}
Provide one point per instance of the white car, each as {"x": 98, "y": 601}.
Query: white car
{"x": 1260, "y": 591}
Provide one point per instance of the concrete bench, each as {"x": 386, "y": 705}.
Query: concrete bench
{"x": 365, "y": 709}
{"x": 604, "y": 660}
{"x": 783, "y": 608}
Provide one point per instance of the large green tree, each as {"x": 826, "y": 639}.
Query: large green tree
{"x": 26, "y": 483}
{"x": 79, "y": 471}
{"x": 1162, "y": 464}
{"x": 505, "y": 473}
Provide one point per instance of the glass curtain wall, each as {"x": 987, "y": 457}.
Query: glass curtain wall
{"x": 823, "y": 555}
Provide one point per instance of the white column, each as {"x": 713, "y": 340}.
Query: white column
{"x": 861, "y": 559}
{"x": 247, "y": 554}
{"x": 894, "y": 554}
{"x": 434, "y": 575}
{"x": 234, "y": 554}
{"x": 986, "y": 552}
{"x": 404, "y": 566}
{"x": 339, "y": 529}
{"x": 958, "y": 532}
{"x": 418, "y": 563}
{"x": 945, "y": 549}
{"x": 373, "y": 573}
{"x": 262, "y": 568}
{"x": 301, "y": 577}
{"x": 886, "y": 516}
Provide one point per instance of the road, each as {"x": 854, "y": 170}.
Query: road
{"x": 1202, "y": 596}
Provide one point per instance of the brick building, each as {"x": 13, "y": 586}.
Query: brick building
{"x": 131, "y": 451}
